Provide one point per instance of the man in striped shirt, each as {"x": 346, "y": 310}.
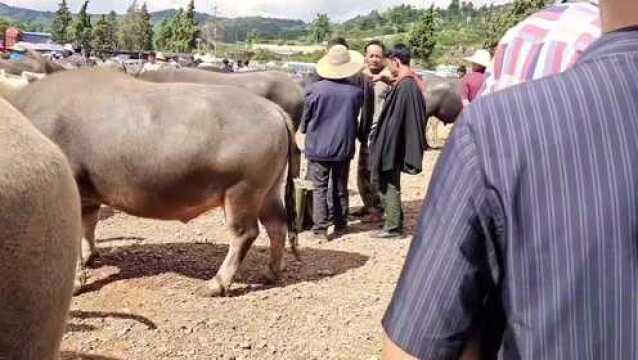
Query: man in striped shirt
{"x": 544, "y": 44}
{"x": 533, "y": 202}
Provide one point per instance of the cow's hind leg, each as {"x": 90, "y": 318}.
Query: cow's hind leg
{"x": 90, "y": 214}
{"x": 242, "y": 208}
{"x": 273, "y": 217}
{"x": 88, "y": 251}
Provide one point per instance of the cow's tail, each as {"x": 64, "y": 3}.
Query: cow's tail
{"x": 294, "y": 168}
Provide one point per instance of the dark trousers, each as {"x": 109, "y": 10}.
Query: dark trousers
{"x": 368, "y": 191}
{"x": 390, "y": 189}
{"x": 321, "y": 173}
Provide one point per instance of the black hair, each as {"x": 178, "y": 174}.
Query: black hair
{"x": 378, "y": 43}
{"x": 338, "y": 41}
{"x": 401, "y": 52}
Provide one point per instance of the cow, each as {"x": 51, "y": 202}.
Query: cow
{"x": 40, "y": 230}
{"x": 275, "y": 86}
{"x": 171, "y": 152}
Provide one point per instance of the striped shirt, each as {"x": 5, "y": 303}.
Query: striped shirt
{"x": 534, "y": 201}
{"x": 544, "y": 44}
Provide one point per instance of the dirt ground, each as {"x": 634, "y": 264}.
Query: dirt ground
{"x": 140, "y": 303}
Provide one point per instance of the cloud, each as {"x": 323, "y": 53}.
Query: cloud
{"x": 296, "y": 9}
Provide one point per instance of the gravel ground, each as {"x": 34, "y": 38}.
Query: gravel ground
{"x": 139, "y": 303}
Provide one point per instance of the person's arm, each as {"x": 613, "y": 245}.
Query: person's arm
{"x": 392, "y": 351}
{"x": 464, "y": 91}
{"x": 308, "y": 110}
{"x": 451, "y": 265}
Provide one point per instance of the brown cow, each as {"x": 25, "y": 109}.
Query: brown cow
{"x": 40, "y": 230}
{"x": 170, "y": 152}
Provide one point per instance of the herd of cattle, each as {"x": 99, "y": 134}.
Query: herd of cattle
{"x": 166, "y": 145}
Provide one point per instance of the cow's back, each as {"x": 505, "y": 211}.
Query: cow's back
{"x": 39, "y": 240}
{"x": 275, "y": 86}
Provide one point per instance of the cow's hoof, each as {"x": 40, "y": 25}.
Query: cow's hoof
{"x": 80, "y": 281}
{"x": 270, "y": 278}
{"x": 212, "y": 289}
{"x": 91, "y": 260}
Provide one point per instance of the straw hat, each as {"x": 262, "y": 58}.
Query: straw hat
{"x": 340, "y": 63}
{"x": 161, "y": 57}
{"x": 481, "y": 57}
{"x": 69, "y": 47}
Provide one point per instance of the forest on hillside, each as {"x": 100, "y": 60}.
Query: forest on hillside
{"x": 438, "y": 35}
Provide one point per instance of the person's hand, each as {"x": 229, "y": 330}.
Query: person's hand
{"x": 379, "y": 77}
{"x": 301, "y": 141}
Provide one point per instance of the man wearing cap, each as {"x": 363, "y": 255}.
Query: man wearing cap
{"x": 332, "y": 106}
{"x": 472, "y": 82}
{"x": 398, "y": 143}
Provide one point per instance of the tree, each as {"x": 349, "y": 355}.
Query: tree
{"x": 454, "y": 9}
{"x": 82, "y": 29}
{"x": 101, "y": 42}
{"x": 4, "y": 25}
{"x": 135, "y": 31}
{"x": 61, "y": 26}
{"x": 498, "y": 23}
{"x": 321, "y": 29}
{"x": 145, "y": 29}
{"x": 179, "y": 34}
{"x": 252, "y": 38}
{"x": 111, "y": 33}
{"x": 422, "y": 38}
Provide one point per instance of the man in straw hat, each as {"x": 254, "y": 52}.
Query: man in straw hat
{"x": 397, "y": 142}
{"x": 329, "y": 122}
{"x": 473, "y": 81}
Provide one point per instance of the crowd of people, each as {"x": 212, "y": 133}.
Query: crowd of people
{"x": 377, "y": 99}
{"x": 525, "y": 247}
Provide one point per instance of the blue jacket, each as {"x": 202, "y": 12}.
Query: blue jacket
{"x": 330, "y": 120}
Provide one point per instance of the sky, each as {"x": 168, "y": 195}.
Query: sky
{"x": 295, "y": 9}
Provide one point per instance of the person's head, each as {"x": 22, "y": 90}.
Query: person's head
{"x": 462, "y": 70}
{"x": 399, "y": 58}
{"x": 152, "y": 58}
{"x": 240, "y": 63}
{"x": 19, "y": 49}
{"x": 68, "y": 50}
{"x": 618, "y": 14}
{"x": 338, "y": 41}
{"x": 160, "y": 57}
{"x": 480, "y": 60}
{"x": 375, "y": 55}
{"x": 225, "y": 62}
{"x": 340, "y": 63}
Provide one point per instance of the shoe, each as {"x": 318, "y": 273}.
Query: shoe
{"x": 340, "y": 231}
{"x": 372, "y": 219}
{"x": 360, "y": 213}
{"x": 384, "y": 234}
{"x": 321, "y": 235}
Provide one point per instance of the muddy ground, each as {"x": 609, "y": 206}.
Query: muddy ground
{"x": 140, "y": 303}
